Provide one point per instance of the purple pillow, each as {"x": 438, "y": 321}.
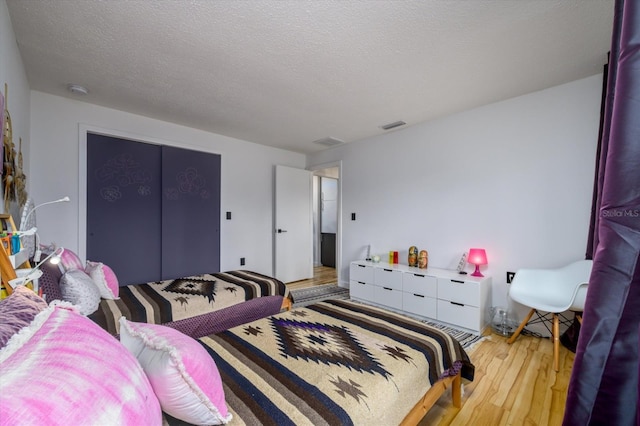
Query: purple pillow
{"x": 49, "y": 282}
{"x": 17, "y": 311}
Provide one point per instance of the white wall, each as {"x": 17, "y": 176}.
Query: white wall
{"x": 513, "y": 177}
{"x": 12, "y": 73}
{"x": 247, "y": 175}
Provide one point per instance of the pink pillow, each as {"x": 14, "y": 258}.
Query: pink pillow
{"x": 17, "y": 311}
{"x": 64, "y": 369}
{"x": 183, "y": 375}
{"x": 68, "y": 261}
{"x": 104, "y": 278}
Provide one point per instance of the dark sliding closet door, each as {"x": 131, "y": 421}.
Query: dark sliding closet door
{"x": 153, "y": 212}
{"x": 124, "y": 228}
{"x": 190, "y": 212}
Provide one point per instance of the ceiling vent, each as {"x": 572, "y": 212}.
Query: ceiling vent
{"x": 76, "y": 89}
{"x": 329, "y": 141}
{"x": 392, "y": 125}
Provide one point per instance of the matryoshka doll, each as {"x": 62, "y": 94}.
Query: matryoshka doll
{"x": 413, "y": 256}
{"x": 423, "y": 259}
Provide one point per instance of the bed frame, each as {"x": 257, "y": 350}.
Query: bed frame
{"x": 431, "y": 397}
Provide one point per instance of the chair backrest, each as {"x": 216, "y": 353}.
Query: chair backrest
{"x": 552, "y": 290}
{"x": 582, "y": 271}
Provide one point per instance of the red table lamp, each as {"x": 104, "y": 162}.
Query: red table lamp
{"x": 477, "y": 256}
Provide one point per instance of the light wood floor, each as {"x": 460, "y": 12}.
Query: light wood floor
{"x": 514, "y": 384}
{"x": 321, "y": 275}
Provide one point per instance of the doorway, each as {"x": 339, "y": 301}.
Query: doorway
{"x": 326, "y": 207}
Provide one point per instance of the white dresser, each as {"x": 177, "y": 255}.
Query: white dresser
{"x": 462, "y": 301}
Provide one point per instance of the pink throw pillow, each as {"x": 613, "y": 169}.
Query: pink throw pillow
{"x": 64, "y": 369}
{"x": 104, "y": 278}
{"x": 183, "y": 375}
{"x": 69, "y": 261}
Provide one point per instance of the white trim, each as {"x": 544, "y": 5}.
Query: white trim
{"x": 329, "y": 165}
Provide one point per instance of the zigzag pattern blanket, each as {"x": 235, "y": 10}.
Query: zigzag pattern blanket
{"x": 332, "y": 363}
{"x": 173, "y": 300}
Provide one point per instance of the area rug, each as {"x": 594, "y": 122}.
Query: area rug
{"x": 317, "y": 293}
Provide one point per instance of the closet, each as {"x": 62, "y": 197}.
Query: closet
{"x": 153, "y": 211}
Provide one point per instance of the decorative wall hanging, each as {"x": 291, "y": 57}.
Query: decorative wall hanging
{"x": 423, "y": 259}
{"x": 20, "y": 179}
{"x": 8, "y": 157}
{"x": 2, "y": 120}
{"x": 413, "y": 256}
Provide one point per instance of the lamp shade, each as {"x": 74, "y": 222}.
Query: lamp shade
{"x": 477, "y": 256}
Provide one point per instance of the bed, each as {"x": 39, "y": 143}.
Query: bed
{"x": 187, "y": 303}
{"x": 335, "y": 362}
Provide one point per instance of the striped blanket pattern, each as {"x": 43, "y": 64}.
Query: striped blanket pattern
{"x": 173, "y": 300}
{"x": 333, "y": 362}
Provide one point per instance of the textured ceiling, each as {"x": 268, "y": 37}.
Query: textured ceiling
{"x": 287, "y": 73}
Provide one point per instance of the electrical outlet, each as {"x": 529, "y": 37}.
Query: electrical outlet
{"x": 242, "y": 261}
{"x": 510, "y": 276}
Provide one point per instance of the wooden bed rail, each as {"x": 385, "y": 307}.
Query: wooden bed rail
{"x": 432, "y": 396}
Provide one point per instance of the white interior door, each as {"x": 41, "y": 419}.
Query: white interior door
{"x": 293, "y": 225}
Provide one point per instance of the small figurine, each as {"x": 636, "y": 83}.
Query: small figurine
{"x": 423, "y": 259}
{"x": 413, "y": 256}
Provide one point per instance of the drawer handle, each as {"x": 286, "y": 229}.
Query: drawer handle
{"x": 362, "y": 266}
{"x": 456, "y": 281}
{"x": 419, "y": 275}
{"x": 418, "y": 295}
{"x": 387, "y": 288}
{"x": 458, "y": 304}
{"x": 388, "y": 270}
{"x": 362, "y": 282}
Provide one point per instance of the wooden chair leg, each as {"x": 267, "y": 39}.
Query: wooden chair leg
{"x": 520, "y": 327}
{"x": 556, "y": 342}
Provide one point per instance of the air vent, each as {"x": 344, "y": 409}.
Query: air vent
{"x": 329, "y": 141}
{"x": 393, "y": 125}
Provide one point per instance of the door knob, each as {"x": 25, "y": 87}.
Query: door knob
{"x": 280, "y": 231}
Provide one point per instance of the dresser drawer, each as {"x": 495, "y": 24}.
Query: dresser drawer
{"x": 361, "y": 290}
{"x": 416, "y": 283}
{"x": 460, "y": 291}
{"x": 390, "y": 278}
{"x": 419, "y": 305}
{"x": 388, "y": 297}
{"x": 461, "y": 315}
{"x": 361, "y": 273}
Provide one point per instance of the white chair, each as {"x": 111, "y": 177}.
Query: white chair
{"x": 552, "y": 291}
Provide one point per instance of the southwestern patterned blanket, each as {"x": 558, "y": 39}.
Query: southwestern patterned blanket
{"x": 174, "y": 300}
{"x": 332, "y": 363}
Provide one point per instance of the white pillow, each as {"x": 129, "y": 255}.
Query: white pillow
{"x": 78, "y": 288}
{"x": 182, "y": 374}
